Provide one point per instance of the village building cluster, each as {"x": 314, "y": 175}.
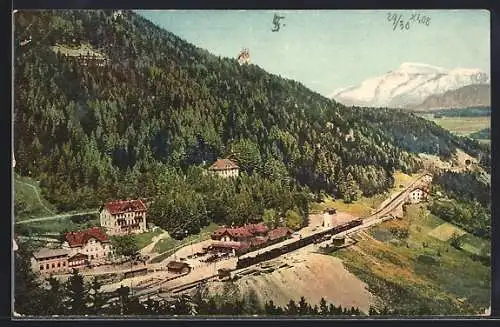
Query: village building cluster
{"x": 246, "y": 238}
{"x": 92, "y": 247}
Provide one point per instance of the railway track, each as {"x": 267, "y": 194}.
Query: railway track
{"x": 345, "y": 229}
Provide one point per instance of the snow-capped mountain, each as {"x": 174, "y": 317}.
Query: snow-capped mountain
{"x": 408, "y": 86}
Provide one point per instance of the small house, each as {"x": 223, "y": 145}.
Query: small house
{"x": 50, "y": 261}
{"x": 178, "y": 267}
{"x": 418, "y": 195}
{"x": 279, "y": 234}
{"x": 225, "y": 168}
{"x": 328, "y": 217}
{"x": 78, "y": 260}
{"x": 338, "y": 241}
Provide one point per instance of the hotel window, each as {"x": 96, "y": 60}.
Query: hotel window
{"x": 58, "y": 265}
{"x": 47, "y": 266}
{"x": 64, "y": 264}
{"x": 53, "y": 265}
{"x": 41, "y": 267}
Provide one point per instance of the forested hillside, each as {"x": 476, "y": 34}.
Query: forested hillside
{"x": 161, "y": 105}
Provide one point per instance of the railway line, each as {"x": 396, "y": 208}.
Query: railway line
{"x": 251, "y": 259}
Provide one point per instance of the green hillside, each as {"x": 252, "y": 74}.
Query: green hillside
{"x": 160, "y": 106}
{"x": 29, "y": 202}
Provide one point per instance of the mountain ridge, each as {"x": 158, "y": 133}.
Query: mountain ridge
{"x": 160, "y": 101}
{"x": 408, "y": 86}
{"x": 475, "y": 95}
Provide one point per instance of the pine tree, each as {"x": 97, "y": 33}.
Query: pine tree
{"x": 323, "y": 307}
{"x": 291, "y": 308}
{"x": 54, "y": 298}
{"x": 351, "y": 189}
{"x": 96, "y": 297}
{"x": 77, "y": 294}
{"x": 28, "y": 298}
{"x": 252, "y": 303}
{"x": 303, "y": 309}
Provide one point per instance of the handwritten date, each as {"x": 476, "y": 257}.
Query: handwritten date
{"x": 400, "y": 22}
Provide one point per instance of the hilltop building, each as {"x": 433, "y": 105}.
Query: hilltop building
{"x": 244, "y": 56}
{"x": 124, "y": 217}
{"x": 225, "y": 168}
{"x": 84, "y": 54}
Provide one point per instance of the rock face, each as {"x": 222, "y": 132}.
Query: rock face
{"x": 311, "y": 275}
{"x": 478, "y": 95}
{"x": 409, "y": 86}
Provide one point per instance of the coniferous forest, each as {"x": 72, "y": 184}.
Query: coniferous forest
{"x": 147, "y": 123}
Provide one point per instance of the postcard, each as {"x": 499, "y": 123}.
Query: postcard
{"x": 251, "y": 163}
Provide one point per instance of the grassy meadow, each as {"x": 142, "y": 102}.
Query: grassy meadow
{"x": 364, "y": 206}
{"x": 462, "y": 126}
{"x": 421, "y": 270}
{"x": 29, "y": 192}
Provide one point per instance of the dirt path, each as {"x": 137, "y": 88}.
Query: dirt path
{"x": 38, "y": 197}
{"x": 65, "y": 215}
{"x": 150, "y": 248}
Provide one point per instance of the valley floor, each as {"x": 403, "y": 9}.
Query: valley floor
{"x": 461, "y": 126}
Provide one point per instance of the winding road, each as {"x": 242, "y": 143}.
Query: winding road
{"x": 54, "y": 215}
{"x": 60, "y": 216}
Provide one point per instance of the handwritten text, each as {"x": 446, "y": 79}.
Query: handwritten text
{"x": 402, "y": 22}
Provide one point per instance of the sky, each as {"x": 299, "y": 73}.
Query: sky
{"x": 331, "y": 49}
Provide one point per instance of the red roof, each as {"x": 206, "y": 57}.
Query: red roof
{"x": 223, "y": 164}
{"x": 80, "y": 238}
{"x": 116, "y": 207}
{"x": 245, "y": 231}
{"x": 257, "y": 228}
{"x": 279, "y": 232}
{"x": 233, "y": 232}
{"x": 239, "y": 232}
{"x": 258, "y": 241}
{"x": 219, "y": 231}
{"x": 228, "y": 245}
